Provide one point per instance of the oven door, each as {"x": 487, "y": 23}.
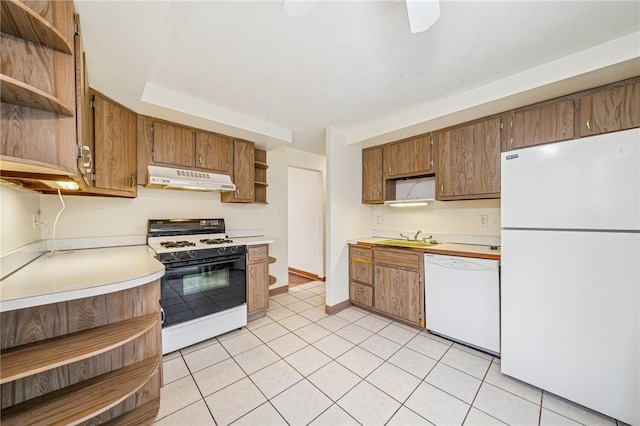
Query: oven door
{"x": 191, "y": 291}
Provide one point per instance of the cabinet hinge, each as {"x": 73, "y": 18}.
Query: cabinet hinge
{"x": 152, "y": 127}
{"x": 93, "y": 177}
{"x": 76, "y": 29}
{"x": 501, "y": 126}
{"x": 92, "y": 103}
{"x": 79, "y": 151}
{"x": 431, "y": 163}
{"x": 431, "y": 141}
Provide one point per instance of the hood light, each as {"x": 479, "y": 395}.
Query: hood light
{"x": 408, "y": 203}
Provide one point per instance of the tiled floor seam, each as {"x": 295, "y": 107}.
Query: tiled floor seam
{"x": 476, "y": 395}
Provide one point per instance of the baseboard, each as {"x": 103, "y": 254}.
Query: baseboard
{"x": 278, "y": 290}
{"x": 337, "y": 308}
{"x": 306, "y": 274}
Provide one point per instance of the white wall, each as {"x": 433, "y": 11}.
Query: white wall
{"x": 347, "y": 218}
{"x": 441, "y": 217}
{"x": 100, "y": 217}
{"x": 16, "y": 208}
{"x": 306, "y": 220}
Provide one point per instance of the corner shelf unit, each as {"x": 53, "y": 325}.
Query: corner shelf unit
{"x": 95, "y": 360}
{"x": 260, "y": 176}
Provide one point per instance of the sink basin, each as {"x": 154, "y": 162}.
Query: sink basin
{"x": 405, "y": 243}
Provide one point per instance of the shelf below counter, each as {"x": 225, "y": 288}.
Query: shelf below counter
{"x": 78, "y": 274}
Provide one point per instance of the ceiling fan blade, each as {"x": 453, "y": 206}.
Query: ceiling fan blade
{"x": 297, "y": 8}
{"x": 422, "y": 14}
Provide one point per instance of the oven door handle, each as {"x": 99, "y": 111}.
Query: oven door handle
{"x": 233, "y": 259}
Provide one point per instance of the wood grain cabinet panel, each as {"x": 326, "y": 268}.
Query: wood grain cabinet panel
{"x": 468, "y": 165}
{"x": 397, "y": 293}
{"x": 361, "y": 294}
{"x": 612, "y": 108}
{"x": 173, "y": 145}
{"x": 551, "y": 122}
{"x": 214, "y": 152}
{"x": 361, "y": 271}
{"x": 372, "y": 176}
{"x": 410, "y": 157}
{"x": 243, "y": 173}
{"x": 257, "y": 281}
{"x": 115, "y": 130}
{"x": 361, "y": 276}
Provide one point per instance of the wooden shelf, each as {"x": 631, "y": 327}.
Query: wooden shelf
{"x": 20, "y": 21}
{"x": 143, "y": 415}
{"x": 19, "y": 93}
{"x": 272, "y": 279}
{"x": 82, "y": 401}
{"x": 272, "y": 259}
{"x": 260, "y": 165}
{"x": 26, "y": 360}
{"x": 265, "y": 184}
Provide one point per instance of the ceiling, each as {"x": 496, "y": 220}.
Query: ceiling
{"x": 247, "y": 69}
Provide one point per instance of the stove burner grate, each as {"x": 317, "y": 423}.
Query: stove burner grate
{"x": 212, "y": 241}
{"x": 174, "y": 244}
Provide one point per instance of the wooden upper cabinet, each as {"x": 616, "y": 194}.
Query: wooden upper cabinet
{"x": 173, "y": 145}
{"x": 115, "y": 129}
{"x": 611, "y": 108}
{"x": 372, "y": 179}
{"x": 469, "y": 161}
{"x": 214, "y": 152}
{"x": 549, "y": 122}
{"x": 409, "y": 157}
{"x": 243, "y": 173}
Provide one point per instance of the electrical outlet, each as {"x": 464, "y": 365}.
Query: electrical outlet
{"x": 483, "y": 220}
{"x": 379, "y": 219}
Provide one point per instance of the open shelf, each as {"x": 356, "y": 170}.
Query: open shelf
{"x": 145, "y": 414}
{"x": 82, "y": 401}
{"x": 20, "y": 21}
{"x": 272, "y": 259}
{"x": 19, "y": 93}
{"x": 33, "y": 358}
{"x": 260, "y": 165}
{"x": 272, "y": 279}
{"x": 261, "y": 183}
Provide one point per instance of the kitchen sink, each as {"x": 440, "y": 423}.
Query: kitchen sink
{"x": 405, "y": 243}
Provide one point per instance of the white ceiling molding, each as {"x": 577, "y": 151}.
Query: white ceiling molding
{"x": 169, "y": 99}
{"x": 624, "y": 51}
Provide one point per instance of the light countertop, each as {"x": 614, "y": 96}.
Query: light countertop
{"x": 252, "y": 241}
{"x": 453, "y": 249}
{"x": 79, "y": 274}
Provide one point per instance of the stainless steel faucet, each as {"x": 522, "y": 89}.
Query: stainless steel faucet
{"x": 415, "y": 237}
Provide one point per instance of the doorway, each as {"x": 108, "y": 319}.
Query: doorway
{"x": 305, "y": 225}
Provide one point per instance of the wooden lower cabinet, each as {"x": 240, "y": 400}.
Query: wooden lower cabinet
{"x": 93, "y": 360}
{"x": 388, "y": 282}
{"x": 257, "y": 281}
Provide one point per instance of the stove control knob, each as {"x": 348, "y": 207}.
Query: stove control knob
{"x": 234, "y": 249}
{"x": 176, "y": 255}
{"x": 192, "y": 253}
{"x": 221, "y": 250}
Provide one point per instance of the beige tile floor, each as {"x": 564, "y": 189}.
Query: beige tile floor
{"x": 300, "y": 366}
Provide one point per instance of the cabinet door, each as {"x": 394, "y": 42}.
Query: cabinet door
{"x": 408, "y": 158}
{"x": 243, "y": 173}
{"x": 372, "y": 180}
{"x": 469, "y": 161}
{"x": 115, "y": 130}
{"x": 610, "y": 109}
{"x": 542, "y": 124}
{"x": 84, "y": 114}
{"x": 173, "y": 145}
{"x": 258, "y": 286}
{"x": 214, "y": 152}
{"x": 397, "y": 293}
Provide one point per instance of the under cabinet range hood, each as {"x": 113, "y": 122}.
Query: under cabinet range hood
{"x": 189, "y": 180}
{"x": 414, "y": 192}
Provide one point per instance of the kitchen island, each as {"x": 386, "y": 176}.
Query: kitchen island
{"x": 81, "y": 338}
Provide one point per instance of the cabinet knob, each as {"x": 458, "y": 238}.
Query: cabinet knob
{"x": 252, "y": 273}
{"x": 588, "y": 123}
{"x": 133, "y": 182}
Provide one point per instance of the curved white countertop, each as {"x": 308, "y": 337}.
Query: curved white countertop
{"x": 79, "y": 274}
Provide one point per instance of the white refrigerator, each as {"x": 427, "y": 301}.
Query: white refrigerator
{"x": 570, "y": 270}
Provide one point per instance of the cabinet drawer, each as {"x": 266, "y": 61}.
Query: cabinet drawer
{"x": 360, "y": 252}
{"x": 259, "y": 252}
{"x": 398, "y": 258}
{"x": 361, "y": 271}
{"x": 361, "y": 294}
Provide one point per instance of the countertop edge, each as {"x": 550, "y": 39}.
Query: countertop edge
{"x": 451, "y": 249}
{"x": 45, "y": 299}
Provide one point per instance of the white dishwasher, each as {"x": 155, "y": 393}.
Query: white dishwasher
{"x": 462, "y": 299}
